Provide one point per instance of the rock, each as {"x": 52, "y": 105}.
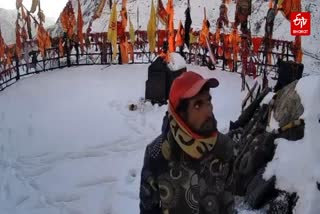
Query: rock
{"x": 287, "y": 106}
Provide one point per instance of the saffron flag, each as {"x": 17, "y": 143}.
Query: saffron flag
{"x": 23, "y": 14}
{"x": 288, "y": 6}
{"x": 124, "y": 48}
{"x": 44, "y": 41}
{"x": 162, "y": 13}
{"x": 180, "y": 35}
{"x": 2, "y": 46}
{"x": 41, "y": 37}
{"x": 171, "y": 38}
{"x": 61, "y": 51}
{"x": 124, "y": 15}
{"x": 68, "y": 19}
{"x": 112, "y": 30}
{"x": 152, "y": 29}
{"x": 79, "y": 27}
{"x": 256, "y": 42}
{"x": 18, "y": 41}
{"x": 204, "y": 31}
{"x": 297, "y": 49}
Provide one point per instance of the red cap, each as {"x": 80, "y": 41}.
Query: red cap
{"x": 188, "y": 85}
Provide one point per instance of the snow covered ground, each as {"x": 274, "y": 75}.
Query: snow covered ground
{"x": 70, "y": 145}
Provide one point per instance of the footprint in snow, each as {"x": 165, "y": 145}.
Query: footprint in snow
{"x": 132, "y": 175}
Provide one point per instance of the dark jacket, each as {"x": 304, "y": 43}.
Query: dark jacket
{"x": 184, "y": 185}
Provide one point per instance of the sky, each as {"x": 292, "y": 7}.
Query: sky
{"x": 50, "y": 8}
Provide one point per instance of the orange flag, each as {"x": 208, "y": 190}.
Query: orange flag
{"x": 79, "y": 27}
{"x": 124, "y": 14}
{"x": 288, "y": 6}
{"x": 2, "y": 46}
{"x": 217, "y": 36}
{"x": 61, "y": 51}
{"x": 124, "y": 46}
{"x": 23, "y": 14}
{"x": 180, "y": 35}
{"x": 256, "y": 41}
{"x": 44, "y": 41}
{"x": 297, "y": 49}
{"x": 24, "y": 34}
{"x": 8, "y": 61}
{"x": 204, "y": 31}
{"x": 170, "y": 10}
{"x": 18, "y": 41}
{"x": 68, "y": 19}
{"x": 162, "y": 13}
{"x": 235, "y": 41}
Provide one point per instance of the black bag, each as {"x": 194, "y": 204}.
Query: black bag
{"x": 288, "y": 72}
{"x": 156, "y": 87}
{"x": 160, "y": 78}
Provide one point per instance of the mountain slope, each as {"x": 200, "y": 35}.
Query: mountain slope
{"x": 7, "y": 24}
{"x": 139, "y": 10}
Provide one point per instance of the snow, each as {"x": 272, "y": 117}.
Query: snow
{"x": 69, "y": 143}
{"x": 296, "y": 164}
{"x": 176, "y": 62}
{"x": 267, "y": 98}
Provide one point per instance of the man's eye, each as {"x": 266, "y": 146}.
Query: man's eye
{"x": 197, "y": 106}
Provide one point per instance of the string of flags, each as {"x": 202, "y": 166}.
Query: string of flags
{"x": 228, "y": 44}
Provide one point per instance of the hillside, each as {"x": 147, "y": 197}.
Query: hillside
{"x": 7, "y": 24}
{"x": 139, "y": 10}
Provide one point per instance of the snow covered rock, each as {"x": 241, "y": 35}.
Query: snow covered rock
{"x": 176, "y": 62}
{"x": 288, "y": 155}
{"x": 288, "y": 106}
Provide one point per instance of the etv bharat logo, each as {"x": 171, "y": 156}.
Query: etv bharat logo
{"x": 300, "y": 23}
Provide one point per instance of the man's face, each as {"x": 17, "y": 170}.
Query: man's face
{"x": 199, "y": 115}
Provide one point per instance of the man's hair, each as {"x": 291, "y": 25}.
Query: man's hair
{"x": 184, "y": 103}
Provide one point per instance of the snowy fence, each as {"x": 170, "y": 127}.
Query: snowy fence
{"x": 98, "y": 53}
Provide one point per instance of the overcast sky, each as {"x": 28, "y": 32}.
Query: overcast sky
{"x": 51, "y": 8}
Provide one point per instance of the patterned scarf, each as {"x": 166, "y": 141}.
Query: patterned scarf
{"x": 192, "y": 144}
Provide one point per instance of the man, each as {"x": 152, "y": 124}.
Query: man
{"x": 187, "y": 168}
